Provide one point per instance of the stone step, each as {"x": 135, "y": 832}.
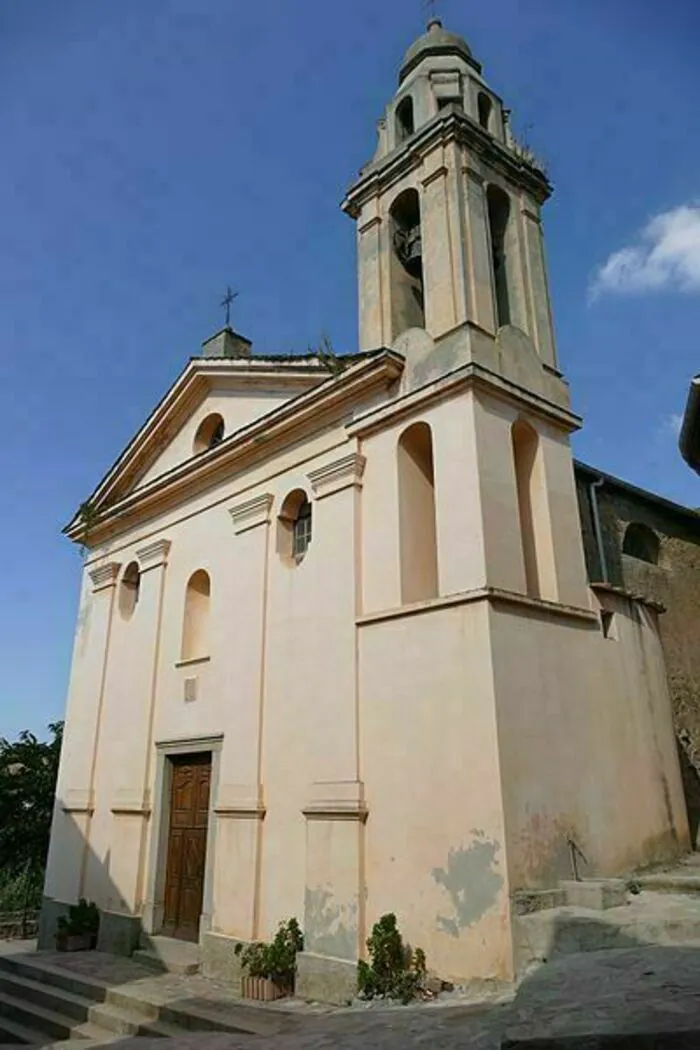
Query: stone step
{"x": 43, "y": 973}
{"x": 166, "y": 955}
{"x": 45, "y": 995}
{"x": 649, "y": 919}
{"x": 170, "y": 1015}
{"x": 124, "y": 1021}
{"x": 40, "y": 1019}
{"x": 14, "y": 1034}
{"x": 668, "y": 882}
{"x": 55, "y": 1011}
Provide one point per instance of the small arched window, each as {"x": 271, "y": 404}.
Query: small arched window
{"x": 294, "y": 531}
{"x": 417, "y": 524}
{"x": 485, "y": 106}
{"x": 405, "y": 125}
{"x": 499, "y": 214}
{"x": 210, "y": 433}
{"x": 130, "y": 590}
{"x": 641, "y": 542}
{"x": 195, "y": 627}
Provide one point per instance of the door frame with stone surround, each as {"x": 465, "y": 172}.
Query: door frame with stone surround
{"x": 166, "y": 750}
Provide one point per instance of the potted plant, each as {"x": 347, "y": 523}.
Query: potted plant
{"x": 77, "y": 931}
{"x": 270, "y": 969}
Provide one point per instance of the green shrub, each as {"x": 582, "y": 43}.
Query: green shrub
{"x": 395, "y": 970}
{"x": 82, "y": 918}
{"x": 278, "y": 960}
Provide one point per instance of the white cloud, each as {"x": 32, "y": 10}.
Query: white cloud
{"x": 666, "y": 256}
{"x": 672, "y": 424}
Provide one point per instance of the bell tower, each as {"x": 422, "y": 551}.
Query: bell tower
{"x": 448, "y": 222}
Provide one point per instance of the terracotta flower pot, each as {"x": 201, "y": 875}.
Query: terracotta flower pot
{"x": 74, "y": 942}
{"x": 262, "y": 989}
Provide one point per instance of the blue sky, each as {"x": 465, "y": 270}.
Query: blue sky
{"x": 153, "y": 152}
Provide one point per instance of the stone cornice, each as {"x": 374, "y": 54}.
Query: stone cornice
{"x": 539, "y": 607}
{"x": 336, "y": 800}
{"x": 342, "y": 474}
{"x": 598, "y": 587}
{"x": 260, "y": 440}
{"x": 130, "y": 802}
{"x": 251, "y": 514}
{"x": 465, "y": 376}
{"x": 242, "y": 801}
{"x": 439, "y": 173}
{"x": 104, "y": 576}
{"x": 78, "y": 800}
{"x": 153, "y": 555}
{"x": 450, "y": 125}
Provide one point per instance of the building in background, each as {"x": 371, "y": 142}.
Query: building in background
{"x": 337, "y": 651}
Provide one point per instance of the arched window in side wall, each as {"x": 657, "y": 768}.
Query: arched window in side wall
{"x": 294, "y": 528}
{"x": 195, "y": 628}
{"x": 485, "y": 107}
{"x": 407, "y": 294}
{"x": 641, "y": 542}
{"x": 405, "y": 125}
{"x": 417, "y": 528}
{"x": 498, "y": 204}
{"x": 530, "y": 503}
{"x": 130, "y": 590}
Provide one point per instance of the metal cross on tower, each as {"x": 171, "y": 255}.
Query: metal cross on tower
{"x": 226, "y": 302}
{"x": 431, "y": 8}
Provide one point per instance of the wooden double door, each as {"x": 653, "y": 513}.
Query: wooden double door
{"x": 187, "y": 845}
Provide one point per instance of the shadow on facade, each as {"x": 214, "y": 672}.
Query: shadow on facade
{"x": 691, "y": 790}
{"x": 192, "y": 1002}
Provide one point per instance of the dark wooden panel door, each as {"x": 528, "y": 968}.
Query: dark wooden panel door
{"x": 187, "y": 845}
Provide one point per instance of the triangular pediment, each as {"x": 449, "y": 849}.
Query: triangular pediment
{"x": 215, "y": 405}
{"x": 238, "y": 391}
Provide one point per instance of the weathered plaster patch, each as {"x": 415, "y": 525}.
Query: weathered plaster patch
{"x": 543, "y": 854}
{"x": 472, "y": 882}
{"x": 330, "y": 928}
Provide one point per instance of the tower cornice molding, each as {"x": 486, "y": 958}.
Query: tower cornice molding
{"x": 451, "y": 125}
{"x": 471, "y": 375}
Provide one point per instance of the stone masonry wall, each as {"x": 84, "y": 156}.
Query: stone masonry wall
{"x": 675, "y": 582}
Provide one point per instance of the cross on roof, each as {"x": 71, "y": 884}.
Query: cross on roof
{"x": 226, "y": 303}
{"x": 431, "y": 9}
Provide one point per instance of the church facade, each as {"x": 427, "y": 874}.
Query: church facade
{"x": 337, "y": 652}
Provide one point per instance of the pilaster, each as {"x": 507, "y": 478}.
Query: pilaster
{"x": 239, "y": 807}
{"x": 538, "y": 286}
{"x": 75, "y": 792}
{"x": 438, "y": 270}
{"x": 479, "y": 250}
{"x": 130, "y": 802}
{"x": 371, "y": 284}
{"x": 335, "y": 809}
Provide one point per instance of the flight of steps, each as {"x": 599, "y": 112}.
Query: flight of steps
{"x": 41, "y": 1004}
{"x": 167, "y": 955}
{"x": 661, "y": 908}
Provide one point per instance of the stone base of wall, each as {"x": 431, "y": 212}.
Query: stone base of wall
{"x": 119, "y": 934}
{"x": 219, "y": 961}
{"x": 51, "y": 911}
{"x": 323, "y": 979}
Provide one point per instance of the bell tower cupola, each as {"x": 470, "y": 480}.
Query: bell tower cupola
{"x": 448, "y": 220}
